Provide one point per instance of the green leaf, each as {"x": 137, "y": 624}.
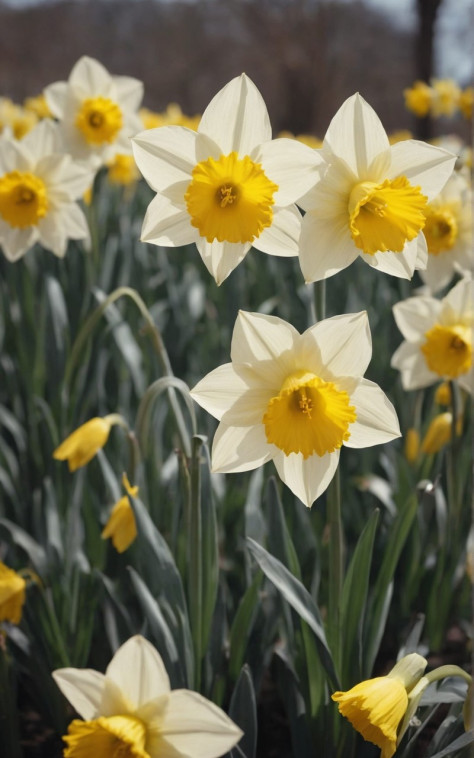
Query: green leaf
{"x": 353, "y": 603}
{"x": 460, "y": 742}
{"x": 243, "y": 712}
{"x": 242, "y": 625}
{"x": 299, "y": 599}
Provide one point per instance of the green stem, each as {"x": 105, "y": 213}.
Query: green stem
{"x": 336, "y": 569}
{"x": 195, "y": 558}
{"x": 320, "y": 299}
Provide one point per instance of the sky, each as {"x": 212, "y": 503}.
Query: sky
{"x": 453, "y": 42}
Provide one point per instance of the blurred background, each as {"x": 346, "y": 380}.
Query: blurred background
{"x": 306, "y": 56}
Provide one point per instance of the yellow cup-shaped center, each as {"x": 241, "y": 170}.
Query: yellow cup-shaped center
{"x": 231, "y": 199}
{"x": 99, "y": 120}
{"x": 308, "y": 416}
{"x": 441, "y": 229}
{"x": 385, "y": 216}
{"x": 448, "y": 350}
{"x": 23, "y": 199}
{"x": 112, "y": 737}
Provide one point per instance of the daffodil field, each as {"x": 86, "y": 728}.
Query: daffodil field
{"x": 236, "y": 380}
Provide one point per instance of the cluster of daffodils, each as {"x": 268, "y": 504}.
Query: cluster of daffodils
{"x": 442, "y": 97}
{"x": 44, "y": 176}
{"x": 132, "y": 711}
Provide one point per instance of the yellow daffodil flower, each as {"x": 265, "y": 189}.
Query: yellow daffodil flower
{"x": 121, "y": 526}
{"x": 446, "y": 95}
{"x": 412, "y": 445}
{"x": 131, "y": 711}
{"x": 418, "y": 98}
{"x": 123, "y": 170}
{"x": 295, "y": 399}
{"x": 466, "y": 99}
{"x": 438, "y": 338}
{"x": 81, "y": 446}
{"x": 443, "y": 394}
{"x": 12, "y": 595}
{"x": 439, "y": 433}
{"x": 377, "y": 706}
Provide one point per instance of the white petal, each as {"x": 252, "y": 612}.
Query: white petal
{"x": 89, "y": 78}
{"x": 307, "y": 479}
{"x": 43, "y": 139}
{"x": 240, "y": 448}
{"x": 356, "y": 134}
{"x": 165, "y": 155}
{"x": 220, "y": 258}
{"x": 439, "y": 271}
{"x": 138, "y": 671}
{"x": 295, "y": 167}
{"x": 416, "y": 315}
{"x": 282, "y": 237}
{"x": 52, "y": 233}
{"x": 376, "y": 421}
{"x": 423, "y": 165}
{"x": 421, "y": 253}
{"x": 66, "y": 179}
{"x": 83, "y": 688}
{"x": 16, "y": 242}
{"x": 458, "y": 301}
{"x": 237, "y": 117}
{"x": 192, "y": 726}
{"x": 342, "y": 345}
{"x": 409, "y": 360}
{"x": 396, "y": 264}
{"x": 326, "y": 247}
{"x": 259, "y": 338}
{"x": 14, "y": 157}
{"x": 221, "y": 388}
{"x": 165, "y": 224}
{"x": 129, "y": 92}
{"x": 56, "y": 96}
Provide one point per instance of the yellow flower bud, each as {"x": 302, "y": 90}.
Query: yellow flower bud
{"x": 412, "y": 445}
{"x": 439, "y": 433}
{"x": 12, "y": 594}
{"x": 81, "y": 446}
{"x": 443, "y": 394}
{"x": 121, "y": 526}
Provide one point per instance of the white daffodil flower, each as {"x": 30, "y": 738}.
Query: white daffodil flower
{"x": 295, "y": 399}
{"x": 438, "y": 338}
{"x": 448, "y": 233}
{"x": 38, "y": 189}
{"x": 371, "y": 200}
{"x": 98, "y": 112}
{"x": 227, "y": 186}
{"x": 131, "y": 711}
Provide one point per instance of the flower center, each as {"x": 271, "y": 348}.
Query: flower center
{"x": 23, "y": 199}
{"x": 441, "y": 229}
{"x": 99, "y": 119}
{"x": 308, "y": 416}
{"x": 113, "y": 737}
{"x": 385, "y": 216}
{"x": 231, "y": 199}
{"x": 448, "y": 350}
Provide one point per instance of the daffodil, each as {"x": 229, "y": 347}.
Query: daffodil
{"x": 295, "y": 399}
{"x": 121, "y": 526}
{"x": 12, "y": 594}
{"x": 98, "y": 113}
{"x": 466, "y": 99}
{"x": 446, "y": 95}
{"x": 439, "y": 433}
{"x": 412, "y": 445}
{"x": 418, "y": 98}
{"x": 130, "y": 711}
{"x": 85, "y": 442}
{"x": 122, "y": 170}
{"x": 448, "y": 233}
{"x": 371, "y": 200}
{"x": 226, "y": 186}
{"x": 376, "y": 707}
{"x": 39, "y": 186}
{"x": 438, "y": 338}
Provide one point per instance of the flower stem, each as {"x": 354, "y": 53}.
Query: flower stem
{"x": 195, "y": 557}
{"x": 320, "y": 299}
{"x": 336, "y": 571}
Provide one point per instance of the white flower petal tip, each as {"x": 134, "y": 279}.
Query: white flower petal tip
{"x": 438, "y": 338}
{"x": 295, "y": 399}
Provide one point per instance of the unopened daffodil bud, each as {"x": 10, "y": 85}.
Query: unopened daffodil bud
{"x": 412, "y": 445}
{"x": 121, "y": 526}
{"x": 443, "y": 394}
{"x": 439, "y": 433}
{"x": 85, "y": 442}
{"x": 376, "y": 707}
{"x": 12, "y": 594}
